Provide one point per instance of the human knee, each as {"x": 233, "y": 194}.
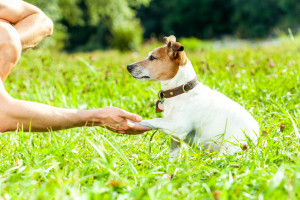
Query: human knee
{"x": 10, "y": 52}
{"x": 47, "y": 25}
{"x": 10, "y": 45}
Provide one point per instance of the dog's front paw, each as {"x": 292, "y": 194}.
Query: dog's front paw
{"x": 145, "y": 123}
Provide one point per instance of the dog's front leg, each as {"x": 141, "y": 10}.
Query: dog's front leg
{"x": 173, "y": 128}
{"x": 161, "y": 124}
{"x": 174, "y": 149}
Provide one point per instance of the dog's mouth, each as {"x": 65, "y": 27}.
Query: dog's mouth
{"x": 143, "y": 77}
{"x": 139, "y": 74}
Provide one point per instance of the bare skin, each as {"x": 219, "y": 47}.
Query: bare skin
{"x": 23, "y": 26}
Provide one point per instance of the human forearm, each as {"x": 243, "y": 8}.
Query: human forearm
{"x": 15, "y": 114}
{"x": 18, "y": 114}
{"x": 39, "y": 117}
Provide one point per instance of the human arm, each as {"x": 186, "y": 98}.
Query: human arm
{"x": 18, "y": 114}
{"x": 30, "y": 22}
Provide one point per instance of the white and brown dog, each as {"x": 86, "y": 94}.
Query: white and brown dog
{"x": 193, "y": 112}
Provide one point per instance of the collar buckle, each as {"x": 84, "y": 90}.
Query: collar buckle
{"x": 183, "y": 88}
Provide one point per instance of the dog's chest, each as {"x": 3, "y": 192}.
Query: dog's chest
{"x": 178, "y": 107}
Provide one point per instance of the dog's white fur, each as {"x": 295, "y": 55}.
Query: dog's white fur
{"x": 202, "y": 117}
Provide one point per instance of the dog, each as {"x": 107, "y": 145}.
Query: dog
{"x": 193, "y": 112}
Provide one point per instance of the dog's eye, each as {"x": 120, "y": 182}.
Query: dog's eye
{"x": 151, "y": 57}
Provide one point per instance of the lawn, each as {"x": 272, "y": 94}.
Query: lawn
{"x": 93, "y": 163}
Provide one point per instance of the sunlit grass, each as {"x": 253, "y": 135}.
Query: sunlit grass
{"x": 93, "y": 163}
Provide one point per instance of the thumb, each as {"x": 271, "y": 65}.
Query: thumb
{"x": 131, "y": 116}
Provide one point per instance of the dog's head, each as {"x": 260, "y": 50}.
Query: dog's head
{"x": 162, "y": 63}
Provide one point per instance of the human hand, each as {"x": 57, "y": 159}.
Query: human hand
{"x": 118, "y": 120}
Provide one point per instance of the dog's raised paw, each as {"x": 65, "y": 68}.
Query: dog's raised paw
{"x": 144, "y": 123}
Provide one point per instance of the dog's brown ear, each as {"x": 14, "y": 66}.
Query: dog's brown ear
{"x": 169, "y": 39}
{"x": 172, "y": 44}
{"x": 176, "y": 52}
{"x": 181, "y": 48}
{"x": 176, "y": 46}
{"x": 175, "y": 49}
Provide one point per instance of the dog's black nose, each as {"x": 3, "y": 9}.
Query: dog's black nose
{"x": 129, "y": 67}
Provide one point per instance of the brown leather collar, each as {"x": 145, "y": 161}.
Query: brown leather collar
{"x": 175, "y": 92}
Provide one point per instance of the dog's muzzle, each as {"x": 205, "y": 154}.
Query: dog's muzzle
{"x": 130, "y": 67}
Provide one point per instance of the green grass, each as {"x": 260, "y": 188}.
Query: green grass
{"x": 93, "y": 163}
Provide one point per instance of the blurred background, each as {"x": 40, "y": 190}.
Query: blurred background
{"x": 86, "y": 25}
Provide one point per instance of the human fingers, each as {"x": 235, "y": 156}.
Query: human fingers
{"x": 130, "y": 116}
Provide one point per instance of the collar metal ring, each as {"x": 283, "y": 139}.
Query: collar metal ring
{"x": 160, "y": 95}
{"x": 183, "y": 88}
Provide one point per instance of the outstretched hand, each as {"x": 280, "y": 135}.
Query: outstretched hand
{"x": 118, "y": 120}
